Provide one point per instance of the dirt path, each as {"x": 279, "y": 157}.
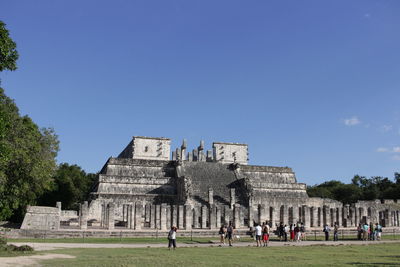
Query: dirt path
{"x": 30, "y": 260}
{"x": 52, "y": 246}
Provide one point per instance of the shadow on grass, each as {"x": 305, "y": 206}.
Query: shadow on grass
{"x": 374, "y": 263}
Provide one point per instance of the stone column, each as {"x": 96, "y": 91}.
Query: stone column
{"x": 58, "y": 205}
{"x": 353, "y": 216}
{"x": 236, "y": 215}
{"x": 183, "y": 149}
{"x": 203, "y": 217}
{"x": 83, "y": 215}
{"x": 296, "y": 215}
{"x": 306, "y": 216}
{"x": 130, "y": 221}
{"x": 174, "y": 218}
{"x": 314, "y": 217}
{"x": 390, "y": 217}
{"x": 111, "y": 214}
{"x": 158, "y": 219}
{"x": 346, "y": 215}
{"x": 138, "y": 215}
{"x": 210, "y": 196}
{"x": 262, "y": 212}
{"x": 284, "y": 215}
{"x": 188, "y": 217}
{"x": 200, "y": 151}
{"x": 274, "y": 218}
{"x": 168, "y": 218}
{"x": 327, "y": 217}
{"x": 338, "y": 217}
{"x": 180, "y": 216}
{"x": 218, "y": 216}
{"x": 227, "y": 217}
{"x": 213, "y": 217}
{"x": 196, "y": 217}
{"x": 152, "y": 216}
{"x": 232, "y": 197}
{"x": 163, "y": 216}
{"x": 251, "y": 213}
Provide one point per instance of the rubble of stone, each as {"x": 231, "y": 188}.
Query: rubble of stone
{"x": 144, "y": 188}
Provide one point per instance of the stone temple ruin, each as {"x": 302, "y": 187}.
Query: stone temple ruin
{"x": 145, "y": 189}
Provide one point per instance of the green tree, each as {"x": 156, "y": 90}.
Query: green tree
{"x": 27, "y": 160}
{"x": 71, "y": 186}
{"x": 360, "y": 188}
{"x": 8, "y": 50}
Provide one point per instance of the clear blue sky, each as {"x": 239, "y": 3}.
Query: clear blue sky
{"x": 314, "y": 85}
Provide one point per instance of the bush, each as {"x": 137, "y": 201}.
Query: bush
{"x": 23, "y": 248}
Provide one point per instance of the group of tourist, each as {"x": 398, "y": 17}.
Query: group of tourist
{"x": 262, "y": 234}
{"x": 226, "y": 232}
{"x": 327, "y": 230}
{"x": 369, "y": 231}
{"x": 295, "y": 231}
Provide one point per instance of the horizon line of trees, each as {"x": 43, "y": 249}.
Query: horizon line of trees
{"x": 360, "y": 188}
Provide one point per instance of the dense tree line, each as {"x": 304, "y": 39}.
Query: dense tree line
{"x": 29, "y": 173}
{"x": 360, "y": 188}
{"x": 71, "y": 185}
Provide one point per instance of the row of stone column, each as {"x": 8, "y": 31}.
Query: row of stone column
{"x": 286, "y": 214}
{"x": 140, "y": 215}
{"x": 352, "y": 216}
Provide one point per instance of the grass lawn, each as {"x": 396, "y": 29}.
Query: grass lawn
{"x": 187, "y": 240}
{"x": 8, "y": 253}
{"x": 365, "y": 255}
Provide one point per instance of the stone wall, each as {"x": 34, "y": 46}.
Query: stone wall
{"x": 230, "y": 153}
{"x": 41, "y": 218}
{"x": 147, "y": 148}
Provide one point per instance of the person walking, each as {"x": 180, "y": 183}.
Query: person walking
{"x": 371, "y": 234}
{"x": 291, "y": 232}
{"x": 297, "y": 233}
{"x": 326, "y": 230}
{"x": 336, "y": 232}
{"x": 303, "y": 232}
{"x": 378, "y": 230}
{"x": 258, "y": 233}
{"x": 359, "y": 231}
{"x": 229, "y": 233}
{"x": 222, "y": 234}
{"x": 172, "y": 238}
{"x": 365, "y": 231}
{"x": 285, "y": 232}
{"x": 266, "y": 230}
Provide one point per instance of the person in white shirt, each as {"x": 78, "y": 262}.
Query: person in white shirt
{"x": 258, "y": 231}
{"x": 172, "y": 238}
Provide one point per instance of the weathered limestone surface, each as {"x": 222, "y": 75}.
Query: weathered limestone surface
{"x": 41, "y": 218}
{"x": 143, "y": 189}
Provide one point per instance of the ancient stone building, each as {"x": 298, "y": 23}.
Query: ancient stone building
{"x": 148, "y": 187}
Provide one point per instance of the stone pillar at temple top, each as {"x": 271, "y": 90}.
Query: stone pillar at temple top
{"x": 183, "y": 149}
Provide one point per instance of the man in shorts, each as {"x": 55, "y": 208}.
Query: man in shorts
{"x": 229, "y": 233}
{"x": 258, "y": 232}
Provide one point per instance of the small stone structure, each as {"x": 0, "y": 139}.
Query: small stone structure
{"x": 41, "y": 218}
{"x": 144, "y": 189}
